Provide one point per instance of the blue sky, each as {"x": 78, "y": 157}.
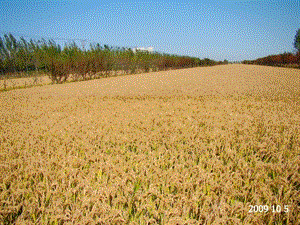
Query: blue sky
{"x": 232, "y": 30}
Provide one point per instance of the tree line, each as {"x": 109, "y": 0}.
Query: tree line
{"x": 286, "y": 59}
{"x": 59, "y": 63}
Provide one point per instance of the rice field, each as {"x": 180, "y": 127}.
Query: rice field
{"x": 212, "y": 145}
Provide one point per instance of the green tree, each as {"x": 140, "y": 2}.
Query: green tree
{"x": 297, "y": 41}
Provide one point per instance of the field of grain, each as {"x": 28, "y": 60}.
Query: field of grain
{"x": 190, "y": 146}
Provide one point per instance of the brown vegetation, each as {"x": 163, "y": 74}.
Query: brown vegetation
{"x": 282, "y": 60}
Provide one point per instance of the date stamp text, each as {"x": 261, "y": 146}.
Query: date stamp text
{"x": 266, "y": 208}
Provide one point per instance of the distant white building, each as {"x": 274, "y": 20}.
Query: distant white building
{"x": 149, "y": 49}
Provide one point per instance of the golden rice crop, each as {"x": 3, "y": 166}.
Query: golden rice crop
{"x": 147, "y": 159}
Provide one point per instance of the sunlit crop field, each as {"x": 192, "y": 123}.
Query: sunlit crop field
{"x": 169, "y": 152}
